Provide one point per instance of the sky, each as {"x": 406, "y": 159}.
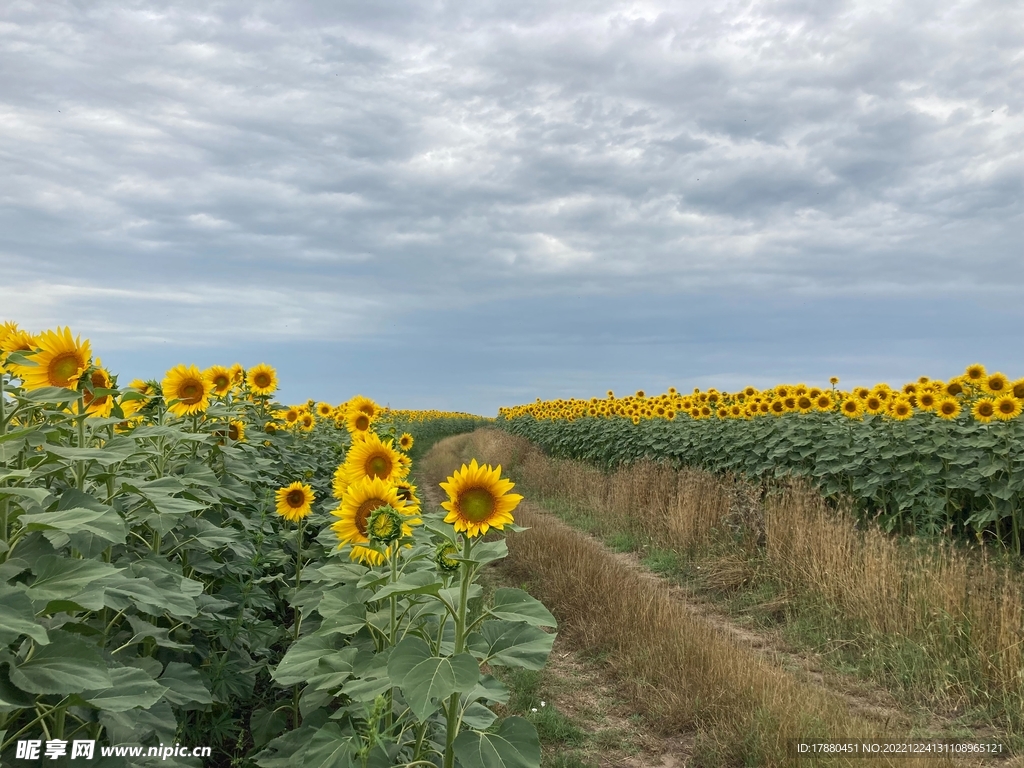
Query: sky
{"x": 464, "y": 205}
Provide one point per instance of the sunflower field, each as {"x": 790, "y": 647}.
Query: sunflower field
{"x": 186, "y": 561}
{"x": 928, "y": 457}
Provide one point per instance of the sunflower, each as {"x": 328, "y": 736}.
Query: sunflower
{"x": 948, "y": 408}
{"x": 236, "y": 430}
{"x": 219, "y": 378}
{"x": 804, "y": 404}
{"x": 364, "y": 405}
{"x": 927, "y": 400}
{"x": 237, "y": 375}
{"x": 7, "y": 327}
{"x": 823, "y": 402}
{"x": 901, "y": 409}
{"x": 873, "y": 404}
{"x": 306, "y": 422}
{"x": 975, "y": 373}
{"x": 13, "y": 339}
{"x": 262, "y": 380}
{"x": 405, "y": 441}
{"x": 984, "y": 410}
{"x": 953, "y": 388}
{"x": 186, "y": 391}
{"x": 358, "y": 421}
{"x": 326, "y": 410}
{"x": 60, "y": 361}
{"x": 1007, "y": 407}
{"x": 369, "y": 458}
{"x": 358, "y": 501}
{"x": 996, "y": 384}
{"x": 291, "y": 416}
{"x": 852, "y": 408}
{"x": 101, "y": 406}
{"x": 1018, "y": 389}
{"x": 479, "y": 499}
{"x": 407, "y": 493}
{"x": 777, "y": 406}
{"x": 294, "y": 501}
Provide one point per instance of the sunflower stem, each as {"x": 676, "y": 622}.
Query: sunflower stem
{"x": 80, "y": 468}
{"x": 393, "y": 637}
{"x": 3, "y": 431}
{"x": 460, "y": 646}
{"x": 296, "y": 715}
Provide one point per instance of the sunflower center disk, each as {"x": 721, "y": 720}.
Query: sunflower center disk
{"x": 476, "y": 504}
{"x": 262, "y": 380}
{"x": 378, "y": 466}
{"x": 190, "y": 393}
{"x": 295, "y": 498}
{"x": 62, "y": 368}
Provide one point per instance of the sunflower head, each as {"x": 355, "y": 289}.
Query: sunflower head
{"x": 479, "y": 499}
{"x": 60, "y": 361}
{"x": 405, "y": 441}
{"x": 96, "y": 405}
{"x": 369, "y": 457}
{"x": 326, "y": 410}
{"x": 948, "y": 408}
{"x": 384, "y": 525}
{"x": 996, "y": 384}
{"x": 358, "y": 502}
{"x": 852, "y": 408}
{"x": 1007, "y": 407}
{"x": 295, "y": 501}
{"x": 901, "y": 409}
{"x": 975, "y": 373}
{"x": 444, "y": 557}
{"x": 236, "y": 430}
{"x": 358, "y": 421}
{"x": 306, "y": 422}
{"x": 219, "y": 379}
{"x": 186, "y": 391}
{"x": 984, "y": 410}
{"x": 262, "y": 380}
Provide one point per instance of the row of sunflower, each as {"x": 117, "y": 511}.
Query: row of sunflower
{"x": 931, "y": 456}
{"x": 167, "y": 575}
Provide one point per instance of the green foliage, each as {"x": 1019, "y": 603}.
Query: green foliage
{"x": 924, "y": 475}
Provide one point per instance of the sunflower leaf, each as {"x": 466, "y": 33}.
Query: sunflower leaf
{"x": 516, "y": 605}
{"x": 514, "y": 745}
{"x": 426, "y": 679}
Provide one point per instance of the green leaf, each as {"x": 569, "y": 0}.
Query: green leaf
{"x": 478, "y": 716}
{"x": 62, "y": 578}
{"x": 517, "y": 605}
{"x": 51, "y": 395}
{"x": 116, "y": 450}
{"x": 511, "y": 644}
{"x": 425, "y": 679}
{"x": 418, "y": 583}
{"x": 143, "y": 629}
{"x": 514, "y": 745}
{"x": 185, "y": 686}
{"x": 38, "y": 495}
{"x": 106, "y": 524}
{"x": 303, "y": 659}
{"x": 18, "y": 618}
{"x": 372, "y": 676}
{"x": 266, "y": 724}
{"x": 67, "y": 665}
{"x": 489, "y": 689}
{"x": 329, "y": 748}
{"x": 129, "y": 688}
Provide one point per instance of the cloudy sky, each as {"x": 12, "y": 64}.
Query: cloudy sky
{"x": 462, "y": 205}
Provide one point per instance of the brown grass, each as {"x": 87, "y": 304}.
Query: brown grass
{"x": 678, "y": 669}
{"x": 963, "y": 614}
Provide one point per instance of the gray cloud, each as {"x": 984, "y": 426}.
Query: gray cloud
{"x": 298, "y": 171}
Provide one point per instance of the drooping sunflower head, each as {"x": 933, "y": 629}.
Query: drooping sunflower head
{"x": 219, "y": 379}
{"x": 295, "y": 501}
{"x": 60, "y": 361}
{"x": 236, "y": 430}
{"x": 479, "y": 499}
{"x": 405, "y": 441}
{"x": 444, "y": 557}
{"x": 984, "y": 410}
{"x": 1007, "y": 407}
{"x": 262, "y": 380}
{"x": 98, "y": 405}
{"x": 237, "y": 375}
{"x": 948, "y": 408}
{"x": 186, "y": 391}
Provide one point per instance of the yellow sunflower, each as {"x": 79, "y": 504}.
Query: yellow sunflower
{"x": 262, "y": 380}
{"x": 295, "y": 501}
{"x": 405, "y": 441}
{"x": 219, "y": 379}
{"x": 363, "y": 404}
{"x": 237, "y": 375}
{"x": 996, "y": 384}
{"x": 7, "y": 327}
{"x": 358, "y": 501}
{"x": 1018, "y": 389}
{"x": 290, "y": 416}
{"x": 236, "y": 430}
{"x": 953, "y": 388}
{"x": 186, "y": 391}
{"x": 852, "y": 408}
{"x": 901, "y": 409}
{"x": 325, "y": 410}
{"x": 13, "y": 339}
{"x": 306, "y": 422}
{"x": 60, "y": 361}
{"x": 975, "y": 373}
{"x": 984, "y": 410}
{"x": 358, "y": 421}
{"x": 1007, "y": 407}
{"x": 927, "y": 400}
{"x": 369, "y": 457}
{"x": 948, "y": 408}
{"x": 479, "y": 499}
{"x": 873, "y": 404}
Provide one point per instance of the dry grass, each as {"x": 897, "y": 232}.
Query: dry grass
{"x": 678, "y": 669}
{"x": 961, "y": 615}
